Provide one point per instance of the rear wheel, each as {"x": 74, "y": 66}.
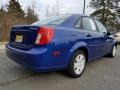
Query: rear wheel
{"x": 77, "y": 64}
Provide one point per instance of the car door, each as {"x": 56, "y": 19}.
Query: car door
{"x": 107, "y": 41}
{"x": 92, "y": 37}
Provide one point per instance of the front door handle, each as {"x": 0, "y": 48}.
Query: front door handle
{"x": 88, "y": 35}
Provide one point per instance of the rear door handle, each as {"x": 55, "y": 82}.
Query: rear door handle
{"x": 73, "y": 35}
{"x": 88, "y": 35}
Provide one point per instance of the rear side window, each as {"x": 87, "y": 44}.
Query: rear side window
{"x": 88, "y": 24}
{"x": 101, "y": 28}
{"x": 78, "y": 24}
{"x": 56, "y": 20}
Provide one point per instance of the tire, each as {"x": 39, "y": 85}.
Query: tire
{"x": 113, "y": 52}
{"x": 77, "y": 64}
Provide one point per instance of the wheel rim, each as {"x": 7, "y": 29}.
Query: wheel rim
{"x": 114, "y": 51}
{"x": 79, "y": 64}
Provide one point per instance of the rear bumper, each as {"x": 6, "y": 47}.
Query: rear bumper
{"x": 37, "y": 59}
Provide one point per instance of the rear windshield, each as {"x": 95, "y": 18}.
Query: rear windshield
{"x": 56, "y": 20}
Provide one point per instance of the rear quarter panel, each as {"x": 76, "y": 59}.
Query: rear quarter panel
{"x": 66, "y": 41}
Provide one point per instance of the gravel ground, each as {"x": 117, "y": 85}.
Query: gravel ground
{"x": 2, "y": 45}
{"x": 101, "y": 74}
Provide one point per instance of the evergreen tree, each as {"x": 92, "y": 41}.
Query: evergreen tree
{"x": 2, "y": 12}
{"x": 31, "y": 16}
{"x": 106, "y": 11}
{"x": 14, "y": 8}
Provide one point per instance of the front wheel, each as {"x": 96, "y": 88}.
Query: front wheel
{"x": 113, "y": 53}
{"x": 77, "y": 64}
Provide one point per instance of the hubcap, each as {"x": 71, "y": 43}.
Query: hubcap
{"x": 79, "y": 64}
{"x": 114, "y": 51}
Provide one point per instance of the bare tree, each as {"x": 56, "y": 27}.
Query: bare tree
{"x": 68, "y": 11}
{"x": 34, "y": 5}
{"x": 57, "y": 6}
{"x": 47, "y": 11}
{"x": 54, "y": 10}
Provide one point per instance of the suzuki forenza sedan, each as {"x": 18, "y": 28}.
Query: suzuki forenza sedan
{"x": 63, "y": 42}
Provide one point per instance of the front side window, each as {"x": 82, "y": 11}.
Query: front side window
{"x": 101, "y": 28}
{"x": 88, "y": 24}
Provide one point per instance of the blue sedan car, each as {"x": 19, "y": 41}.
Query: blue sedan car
{"x": 65, "y": 42}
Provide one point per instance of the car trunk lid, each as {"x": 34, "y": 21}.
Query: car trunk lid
{"x": 23, "y": 36}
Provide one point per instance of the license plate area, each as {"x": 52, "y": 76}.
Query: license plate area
{"x": 23, "y": 38}
{"x": 19, "y": 38}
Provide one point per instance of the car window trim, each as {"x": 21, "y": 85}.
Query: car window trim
{"x": 97, "y": 25}
{"x": 86, "y": 29}
{"x": 77, "y": 23}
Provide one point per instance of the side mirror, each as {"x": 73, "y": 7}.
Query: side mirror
{"x": 109, "y": 33}
{"x": 112, "y": 32}
{"x": 106, "y": 33}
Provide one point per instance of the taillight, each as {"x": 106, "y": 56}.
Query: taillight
{"x": 45, "y": 35}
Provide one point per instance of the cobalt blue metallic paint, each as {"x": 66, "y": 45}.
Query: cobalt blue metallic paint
{"x": 67, "y": 40}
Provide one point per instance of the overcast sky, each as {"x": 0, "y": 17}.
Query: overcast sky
{"x": 69, "y": 6}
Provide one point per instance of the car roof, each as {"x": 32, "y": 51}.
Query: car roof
{"x": 74, "y": 18}
{"x": 75, "y": 15}
{"x": 78, "y": 15}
